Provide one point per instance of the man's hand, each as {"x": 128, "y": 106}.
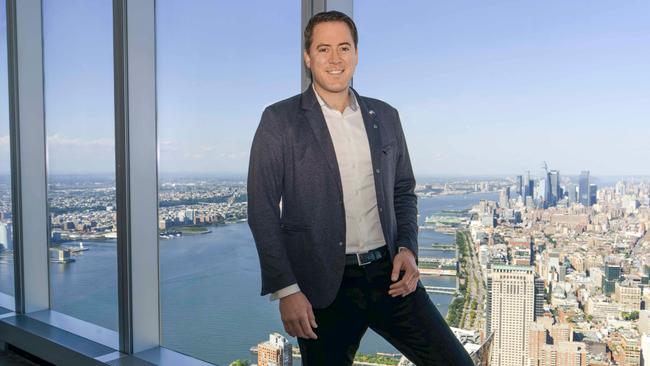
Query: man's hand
{"x": 404, "y": 261}
{"x": 297, "y": 316}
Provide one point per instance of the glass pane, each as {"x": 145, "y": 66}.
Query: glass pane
{"x": 525, "y": 103}
{"x": 78, "y": 64}
{"x": 6, "y": 227}
{"x": 218, "y": 65}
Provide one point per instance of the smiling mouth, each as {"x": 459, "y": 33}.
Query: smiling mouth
{"x": 335, "y": 72}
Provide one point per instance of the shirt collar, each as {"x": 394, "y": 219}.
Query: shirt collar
{"x": 353, "y": 100}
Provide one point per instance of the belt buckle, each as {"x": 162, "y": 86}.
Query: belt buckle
{"x": 360, "y": 262}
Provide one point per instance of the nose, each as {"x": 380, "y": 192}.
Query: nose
{"x": 335, "y": 57}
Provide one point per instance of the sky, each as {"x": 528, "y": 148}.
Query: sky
{"x": 483, "y": 88}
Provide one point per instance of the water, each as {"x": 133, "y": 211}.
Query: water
{"x": 210, "y": 284}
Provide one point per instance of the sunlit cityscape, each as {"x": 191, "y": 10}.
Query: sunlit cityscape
{"x": 525, "y": 123}
{"x": 542, "y": 272}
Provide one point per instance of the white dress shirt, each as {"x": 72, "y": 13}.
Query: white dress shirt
{"x": 363, "y": 228}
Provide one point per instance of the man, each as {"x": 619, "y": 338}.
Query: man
{"x": 332, "y": 208}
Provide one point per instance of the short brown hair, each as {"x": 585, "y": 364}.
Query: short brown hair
{"x": 329, "y": 16}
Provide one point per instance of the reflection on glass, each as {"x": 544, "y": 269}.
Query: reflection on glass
{"x": 218, "y": 65}
{"x": 6, "y": 227}
{"x": 78, "y": 64}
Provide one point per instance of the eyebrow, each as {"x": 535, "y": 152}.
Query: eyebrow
{"x": 329, "y": 45}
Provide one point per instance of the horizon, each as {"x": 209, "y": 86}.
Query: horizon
{"x": 243, "y": 176}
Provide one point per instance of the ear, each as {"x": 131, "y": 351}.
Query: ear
{"x": 307, "y": 58}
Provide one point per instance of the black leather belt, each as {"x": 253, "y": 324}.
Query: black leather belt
{"x": 361, "y": 259}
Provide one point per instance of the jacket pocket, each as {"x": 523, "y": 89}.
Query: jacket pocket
{"x": 388, "y": 148}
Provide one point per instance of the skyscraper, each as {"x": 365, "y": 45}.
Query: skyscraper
{"x": 583, "y": 187}
{"x": 572, "y": 194}
{"x": 593, "y": 190}
{"x": 539, "y": 297}
{"x": 554, "y": 179}
{"x": 612, "y": 274}
{"x": 504, "y": 197}
{"x": 520, "y": 185}
{"x": 275, "y": 352}
{"x": 511, "y": 310}
{"x": 530, "y": 186}
{"x": 541, "y": 193}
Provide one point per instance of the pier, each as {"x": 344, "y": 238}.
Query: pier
{"x": 441, "y": 290}
{"x": 443, "y": 247}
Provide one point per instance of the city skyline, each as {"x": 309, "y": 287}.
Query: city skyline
{"x": 475, "y": 97}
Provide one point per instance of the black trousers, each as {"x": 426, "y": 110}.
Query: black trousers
{"x": 412, "y": 324}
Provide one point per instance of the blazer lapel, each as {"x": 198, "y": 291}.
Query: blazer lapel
{"x": 373, "y": 131}
{"x": 316, "y": 120}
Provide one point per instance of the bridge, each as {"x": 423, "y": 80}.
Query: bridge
{"x": 441, "y": 290}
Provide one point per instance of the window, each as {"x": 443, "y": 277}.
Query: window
{"x": 6, "y": 227}
{"x": 78, "y": 67}
{"x": 218, "y": 65}
{"x": 489, "y": 91}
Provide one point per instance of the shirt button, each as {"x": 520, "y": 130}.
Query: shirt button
{"x": 340, "y": 243}
{"x": 377, "y": 171}
{"x": 381, "y": 209}
{"x": 374, "y": 126}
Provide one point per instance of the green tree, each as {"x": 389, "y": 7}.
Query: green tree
{"x": 240, "y": 362}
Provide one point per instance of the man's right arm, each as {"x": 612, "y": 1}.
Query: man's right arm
{"x": 289, "y": 290}
{"x": 265, "y": 180}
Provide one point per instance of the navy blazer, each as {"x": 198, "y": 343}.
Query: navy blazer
{"x": 292, "y": 161}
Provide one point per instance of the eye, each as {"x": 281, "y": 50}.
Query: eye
{"x": 322, "y": 49}
{"x": 345, "y": 48}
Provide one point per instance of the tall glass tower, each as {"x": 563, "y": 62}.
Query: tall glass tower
{"x": 583, "y": 188}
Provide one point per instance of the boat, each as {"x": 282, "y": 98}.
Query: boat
{"x": 78, "y": 249}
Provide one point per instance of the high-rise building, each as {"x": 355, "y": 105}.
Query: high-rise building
{"x": 541, "y": 192}
{"x": 552, "y": 345}
{"x": 511, "y": 302}
{"x": 593, "y": 191}
{"x": 6, "y": 236}
{"x": 504, "y": 197}
{"x": 628, "y": 352}
{"x": 529, "y": 186}
{"x": 520, "y": 185}
{"x": 561, "y": 333}
{"x": 572, "y": 193}
{"x": 583, "y": 187}
{"x": 612, "y": 273}
{"x": 554, "y": 186}
{"x": 536, "y": 342}
{"x": 275, "y": 352}
{"x": 539, "y": 297}
{"x": 628, "y": 296}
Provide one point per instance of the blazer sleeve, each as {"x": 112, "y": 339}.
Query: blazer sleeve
{"x": 265, "y": 181}
{"x": 404, "y": 197}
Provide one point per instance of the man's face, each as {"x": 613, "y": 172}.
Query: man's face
{"x": 332, "y": 57}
